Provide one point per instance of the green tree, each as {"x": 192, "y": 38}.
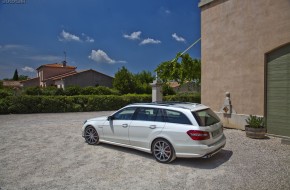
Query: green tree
{"x": 124, "y": 81}
{"x": 167, "y": 90}
{"x": 187, "y": 70}
{"x": 15, "y": 76}
{"x": 22, "y": 77}
{"x": 142, "y": 82}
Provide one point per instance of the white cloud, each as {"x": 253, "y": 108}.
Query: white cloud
{"x": 133, "y": 35}
{"x": 164, "y": 11}
{"x": 28, "y": 69}
{"x": 101, "y": 56}
{"x": 89, "y": 39}
{"x": 65, "y": 36}
{"x": 47, "y": 58}
{"x": 13, "y": 47}
{"x": 178, "y": 38}
{"x": 150, "y": 41}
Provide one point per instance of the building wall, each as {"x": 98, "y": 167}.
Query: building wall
{"x": 235, "y": 36}
{"x": 89, "y": 78}
{"x": 31, "y": 82}
{"x": 47, "y": 72}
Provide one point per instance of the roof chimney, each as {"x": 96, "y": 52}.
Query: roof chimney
{"x": 64, "y": 62}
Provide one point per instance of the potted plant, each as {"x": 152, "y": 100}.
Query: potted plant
{"x": 255, "y": 127}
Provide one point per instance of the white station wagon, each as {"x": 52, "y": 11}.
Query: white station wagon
{"x": 166, "y": 129}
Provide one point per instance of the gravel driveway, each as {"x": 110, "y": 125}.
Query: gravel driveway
{"x": 46, "y": 151}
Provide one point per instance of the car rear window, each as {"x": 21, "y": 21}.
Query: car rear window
{"x": 206, "y": 117}
{"x": 176, "y": 117}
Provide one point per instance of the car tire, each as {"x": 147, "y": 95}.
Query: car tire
{"x": 91, "y": 135}
{"x": 163, "y": 151}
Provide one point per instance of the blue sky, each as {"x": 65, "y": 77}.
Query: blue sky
{"x": 103, "y": 35}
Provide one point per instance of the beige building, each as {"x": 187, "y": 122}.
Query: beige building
{"x": 245, "y": 47}
{"x": 62, "y": 75}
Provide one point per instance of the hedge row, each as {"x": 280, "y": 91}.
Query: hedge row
{"x": 183, "y": 98}
{"x": 55, "y": 104}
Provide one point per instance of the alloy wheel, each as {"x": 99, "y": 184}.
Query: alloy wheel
{"x": 91, "y": 135}
{"x": 163, "y": 151}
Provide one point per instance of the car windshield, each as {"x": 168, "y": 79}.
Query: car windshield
{"x": 206, "y": 117}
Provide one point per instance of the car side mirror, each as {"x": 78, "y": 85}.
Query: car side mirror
{"x": 110, "y": 118}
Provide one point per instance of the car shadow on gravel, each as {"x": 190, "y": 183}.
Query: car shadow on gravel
{"x": 127, "y": 150}
{"x": 206, "y": 163}
{"x": 201, "y": 163}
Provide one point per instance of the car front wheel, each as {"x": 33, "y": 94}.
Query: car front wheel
{"x": 91, "y": 135}
{"x": 163, "y": 151}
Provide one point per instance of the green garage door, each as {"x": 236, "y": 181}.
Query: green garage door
{"x": 278, "y": 92}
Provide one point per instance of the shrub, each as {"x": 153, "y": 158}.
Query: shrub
{"x": 254, "y": 121}
{"x": 5, "y": 92}
{"x": 115, "y": 91}
{"x": 72, "y": 90}
{"x": 183, "y": 98}
{"x": 167, "y": 90}
{"x": 102, "y": 90}
{"x": 90, "y": 90}
{"x": 49, "y": 91}
{"x": 33, "y": 91}
{"x": 4, "y": 105}
{"x": 55, "y": 104}
{"x": 24, "y": 104}
{"x": 59, "y": 91}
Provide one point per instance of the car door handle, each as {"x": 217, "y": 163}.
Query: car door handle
{"x": 125, "y": 125}
{"x": 152, "y": 126}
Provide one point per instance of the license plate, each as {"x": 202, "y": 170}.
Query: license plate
{"x": 216, "y": 132}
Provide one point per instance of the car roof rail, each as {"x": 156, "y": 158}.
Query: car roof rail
{"x": 171, "y": 104}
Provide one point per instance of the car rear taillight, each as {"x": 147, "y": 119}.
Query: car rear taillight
{"x": 198, "y": 135}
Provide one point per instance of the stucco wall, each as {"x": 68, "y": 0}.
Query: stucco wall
{"x": 31, "y": 82}
{"x": 89, "y": 78}
{"x": 53, "y": 71}
{"x": 47, "y": 72}
{"x": 235, "y": 35}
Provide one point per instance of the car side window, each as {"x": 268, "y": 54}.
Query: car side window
{"x": 176, "y": 117}
{"x": 125, "y": 114}
{"x": 148, "y": 114}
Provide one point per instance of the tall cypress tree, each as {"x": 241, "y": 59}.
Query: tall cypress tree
{"x": 15, "y": 76}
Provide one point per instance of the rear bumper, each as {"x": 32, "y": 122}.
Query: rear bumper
{"x": 204, "y": 151}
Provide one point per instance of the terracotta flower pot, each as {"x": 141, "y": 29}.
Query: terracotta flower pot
{"x": 255, "y": 133}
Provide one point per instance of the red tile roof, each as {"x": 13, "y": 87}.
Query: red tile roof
{"x": 60, "y": 76}
{"x": 56, "y": 65}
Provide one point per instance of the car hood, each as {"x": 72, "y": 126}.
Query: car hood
{"x": 103, "y": 118}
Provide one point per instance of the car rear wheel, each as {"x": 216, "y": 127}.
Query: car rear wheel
{"x": 163, "y": 151}
{"x": 91, "y": 135}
